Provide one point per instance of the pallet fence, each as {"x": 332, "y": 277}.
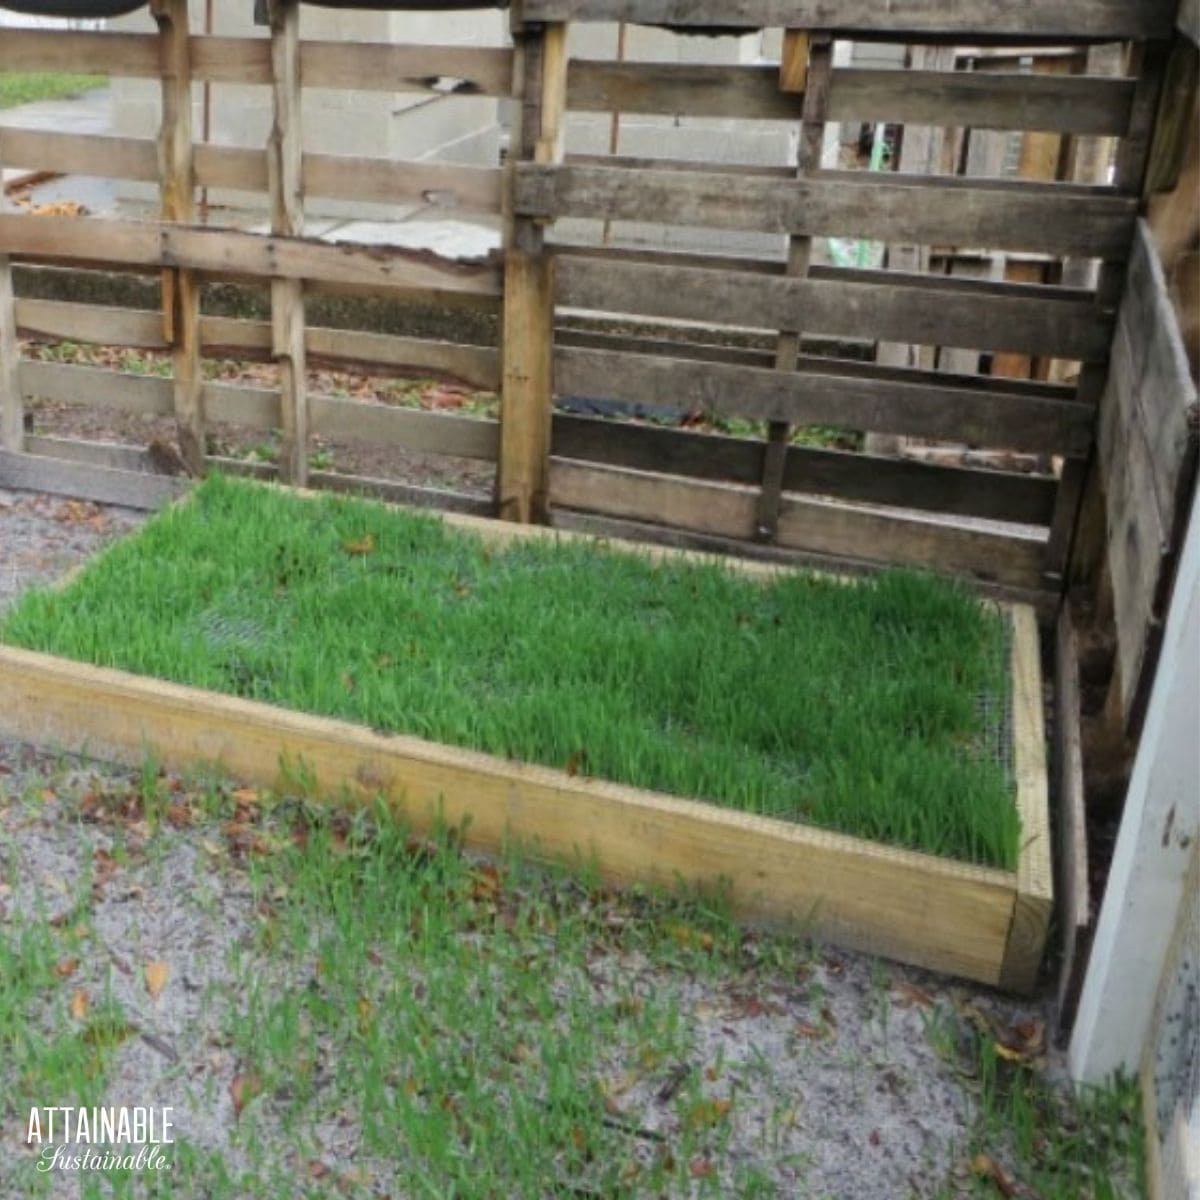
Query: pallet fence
{"x": 762, "y": 345}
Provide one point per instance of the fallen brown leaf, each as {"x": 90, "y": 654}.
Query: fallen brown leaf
{"x": 80, "y": 1003}
{"x": 243, "y": 1089}
{"x": 66, "y": 967}
{"x": 984, "y": 1166}
{"x": 156, "y": 974}
{"x": 360, "y": 546}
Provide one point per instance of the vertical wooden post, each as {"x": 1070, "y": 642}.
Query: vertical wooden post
{"x": 286, "y": 186}
{"x": 181, "y": 292}
{"x": 12, "y": 408}
{"x": 814, "y": 77}
{"x": 523, "y": 475}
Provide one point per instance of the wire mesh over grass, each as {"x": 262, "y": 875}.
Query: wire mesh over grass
{"x": 876, "y": 708}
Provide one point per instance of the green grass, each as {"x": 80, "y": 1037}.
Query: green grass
{"x": 28, "y": 87}
{"x": 855, "y": 707}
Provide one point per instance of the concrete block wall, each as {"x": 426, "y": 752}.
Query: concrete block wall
{"x": 398, "y": 125}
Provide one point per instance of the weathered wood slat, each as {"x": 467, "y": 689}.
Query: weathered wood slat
{"x": 1017, "y": 21}
{"x": 442, "y": 185}
{"x": 845, "y": 475}
{"x": 258, "y": 408}
{"x": 100, "y": 325}
{"x": 893, "y": 306}
{"x": 819, "y": 526}
{"x": 1147, "y": 455}
{"x": 1051, "y": 218}
{"x": 84, "y": 481}
{"x": 234, "y": 253}
{"x": 1073, "y": 104}
{"x": 882, "y": 402}
{"x": 437, "y": 70}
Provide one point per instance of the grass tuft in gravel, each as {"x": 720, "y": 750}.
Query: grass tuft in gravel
{"x": 853, "y": 707}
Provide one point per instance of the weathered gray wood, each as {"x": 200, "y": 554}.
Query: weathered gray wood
{"x": 97, "y": 387}
{"x": 234, "y": 253}
{"x": 814, "y": 525}
{"x": 895, "y": 307}
{"x": 1016, "y": 21}
{"x": 435, "y": 70}
{"x": 1073, "y": 887}
{"x": 12, "y": 409}
{"x": 1147, "y": 447}
{"x": 97, "y": 454}
{"x": 826, "y": 395}
{"x": 1069, "y": 104}
{"x": 846, "y": 475}
{"x": 1051, "y": 218}
{"x": 95, "y": 324}
{"x": 87, "y": 482}
{"x": 431, "y": 433}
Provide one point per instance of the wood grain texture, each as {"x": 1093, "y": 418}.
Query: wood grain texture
{"x": 872, "y": 304}
{"x": 1073, "y": 888}
{"x": 233, "y": 253}
{"x": 1014, "y": 21}
{"x": 998, "y": 214}
{"x": 992, "y": 101}
{"x": 104, "y": 485}
{"x": 933, "y": 912}
{"x": 12, "y": 407}
{"x": 842, "y": 474}
{"x": 828, "y": 395}
{"x": 818, "y": 526}
{"x": 177, "y": 193}
{"x": 1034, "y": 903}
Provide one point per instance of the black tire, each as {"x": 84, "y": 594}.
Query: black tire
{"x": 87, "y": 9}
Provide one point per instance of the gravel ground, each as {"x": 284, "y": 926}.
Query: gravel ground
{"x": 842, "y": 1060}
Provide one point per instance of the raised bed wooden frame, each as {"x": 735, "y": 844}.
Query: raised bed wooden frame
{"x": 984, "y": 924}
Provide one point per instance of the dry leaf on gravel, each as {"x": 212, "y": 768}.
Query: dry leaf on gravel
{"x": 156, "y": 974}
{"x": 80, "y": 1003}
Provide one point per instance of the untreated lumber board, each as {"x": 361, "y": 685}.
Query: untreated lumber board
{"x": 814, "y": 525}
{"x": 945, "y": 411}
{"x": 1075, "y": 104}
{"x": 843, "y": 474}
{"x": 892, "y": 306}
{"x": 1054, "y": 218}
{"x": 234, "y": 253}
{"x": 943, "y": 915}
{"x": 429, "y": 433}
{"x": 1015, "y": 21}
{"x": 1035, "y": 876}
{"x": 104, "y": 485}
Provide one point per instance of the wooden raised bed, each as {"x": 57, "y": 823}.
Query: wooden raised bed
{"x": 982, "y": 923}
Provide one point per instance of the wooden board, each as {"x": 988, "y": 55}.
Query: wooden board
{"x": 892, "y": 306}
{"x": 939, "y": 914}
{"x": 442, "y": 185}
{"x": 104, "y": 485}
{"x": 434, "y": 70}
{"x": 1073, "y": 887}
{"x": 1004, "y": 215}
{"x": 818, "y": 526}
{"x": 995, "y": 101}
{"x": 844, "y": 474}
{"x": 1147, "y": 447}
{"x": 233, "y": 253}
{"x": 828, "y": 395}
{"x": 967, "y": 21}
